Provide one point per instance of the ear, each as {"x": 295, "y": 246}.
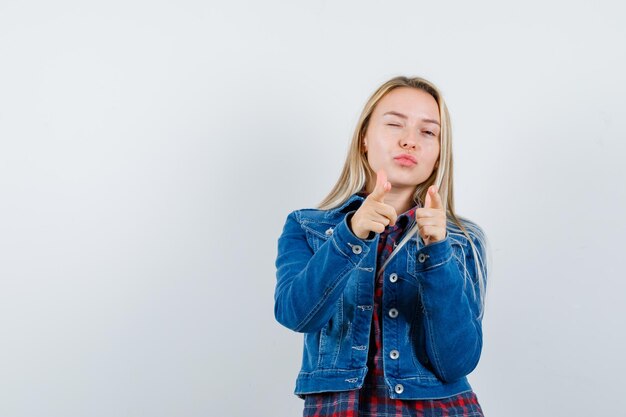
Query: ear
{"x": 365, "y": 143}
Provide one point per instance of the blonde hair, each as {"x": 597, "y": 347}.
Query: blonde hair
{"x": 357, "y": 173}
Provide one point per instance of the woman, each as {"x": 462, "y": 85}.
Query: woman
{"x": 384, "y": 279}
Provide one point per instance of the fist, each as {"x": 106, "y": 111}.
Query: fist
{"x": 374, "y": 215}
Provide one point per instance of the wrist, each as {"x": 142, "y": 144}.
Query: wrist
{"x": 368, "y": 235}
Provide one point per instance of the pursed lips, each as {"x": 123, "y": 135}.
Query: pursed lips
{"x": 406, "y": 159}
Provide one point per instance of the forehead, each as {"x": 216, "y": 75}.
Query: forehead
{"x": 412, "y": 102}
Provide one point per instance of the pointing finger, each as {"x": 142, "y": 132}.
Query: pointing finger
{"x": 382, "y": 186}
{"x": 433, "y": 199}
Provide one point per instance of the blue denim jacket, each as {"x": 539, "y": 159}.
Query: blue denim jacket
{"x": 325, "y": 289}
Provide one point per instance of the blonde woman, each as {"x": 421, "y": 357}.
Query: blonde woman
{"x": 383, "y": 278}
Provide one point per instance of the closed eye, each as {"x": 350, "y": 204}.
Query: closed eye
{"x": 392, "y": 124}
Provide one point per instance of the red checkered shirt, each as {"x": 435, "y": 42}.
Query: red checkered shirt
{"x": 373, "y": 398}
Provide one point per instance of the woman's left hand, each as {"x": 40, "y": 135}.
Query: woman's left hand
{"x": 431, "y": 218}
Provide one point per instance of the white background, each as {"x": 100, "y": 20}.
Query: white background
{"x": 151, "y": 150}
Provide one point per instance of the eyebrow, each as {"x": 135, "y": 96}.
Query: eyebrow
{"x": 395, "y": 113}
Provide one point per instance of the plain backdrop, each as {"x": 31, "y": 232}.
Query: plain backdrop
{"x": 150, "y": 152}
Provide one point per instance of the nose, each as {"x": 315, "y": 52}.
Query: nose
{"x": 409, "y": 141}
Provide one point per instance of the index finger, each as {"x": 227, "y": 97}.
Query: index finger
{"x": 382, "y": 186}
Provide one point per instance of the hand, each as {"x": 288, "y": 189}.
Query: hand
{"x": 374, "y": 215}
{"x": 431, "y": 218}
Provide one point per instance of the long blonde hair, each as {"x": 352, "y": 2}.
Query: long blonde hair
{"x": 357, "y": 173}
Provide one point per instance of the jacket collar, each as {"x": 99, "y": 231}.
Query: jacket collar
{"x": 352, "y": 203}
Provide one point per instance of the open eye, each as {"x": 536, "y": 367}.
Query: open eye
{"x": 428, "y": 132}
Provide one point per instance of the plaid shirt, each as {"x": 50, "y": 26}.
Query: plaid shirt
{"x": 373, "y": 399}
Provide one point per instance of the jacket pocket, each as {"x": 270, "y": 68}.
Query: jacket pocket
{"x": 423, "y": 368}
{"x": 332, "y": 336}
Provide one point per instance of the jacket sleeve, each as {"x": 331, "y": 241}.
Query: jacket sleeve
{"x": 309, "y": 284}
{"x": 451, "y": 306}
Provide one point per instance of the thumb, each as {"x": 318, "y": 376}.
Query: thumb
{"x": 433, "y": 199}
{"x": 382, "y": 186}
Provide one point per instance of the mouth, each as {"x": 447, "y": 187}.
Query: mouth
{"x": 405, "y": 160}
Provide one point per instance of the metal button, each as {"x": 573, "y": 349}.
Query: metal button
{"x": 399, "y": 389}
{"x": 329, "y": 231}
{"x": 356, "y": 249}
{"x": 393, "y": 277}
{"x": 394, "y": 354}
{"x": 422, "y": 257}
{"x": 393, "y": 313}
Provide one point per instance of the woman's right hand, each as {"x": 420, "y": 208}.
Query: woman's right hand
{"x": 374, "y": 215}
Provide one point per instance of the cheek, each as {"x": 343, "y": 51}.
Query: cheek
{"x": 375, "y": 149}
{"x": 375, "y": 156}
{"x": 433, "y": 153}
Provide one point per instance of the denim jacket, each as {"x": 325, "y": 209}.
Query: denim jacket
{"x": 325, "y": 289}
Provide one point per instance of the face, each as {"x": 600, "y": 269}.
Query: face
{"x": 403, "y": 136}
